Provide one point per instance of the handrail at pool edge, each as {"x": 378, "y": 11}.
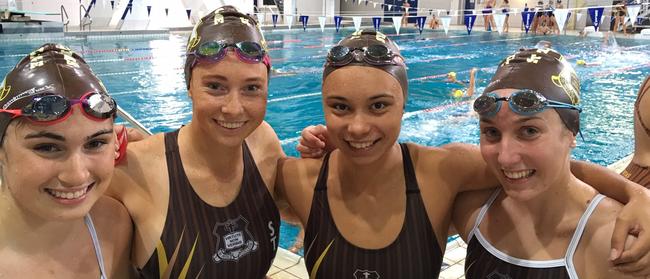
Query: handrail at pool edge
{"x": 135, "y": 123}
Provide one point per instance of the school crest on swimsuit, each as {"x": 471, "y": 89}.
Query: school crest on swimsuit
{"x": 234, "y": 240}
{"x": 366, "y": 274}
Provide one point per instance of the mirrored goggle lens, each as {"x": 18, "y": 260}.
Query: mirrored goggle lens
{"x": 338, "y": 53}
{"x": 99, "y": 105}
{"x": 484, "y": 104}
{"x": 209, "y": 49}
{"x": 527, "y": 102}
{"x": 378, "y": 53}
{"x": 48, "y": 108}
{"x": 251, "y": 49}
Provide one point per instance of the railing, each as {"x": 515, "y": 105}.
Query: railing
{"x": 84, "y": 20}
{"x": 67, "y": 18}
{"x": 126, "y": 116}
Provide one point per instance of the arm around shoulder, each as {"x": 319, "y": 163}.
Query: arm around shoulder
{"x": 296, "y": 181}
{"x": 466, "y": 168}
{"x": 594, "y": 261}
{"x": 466, "y": 209}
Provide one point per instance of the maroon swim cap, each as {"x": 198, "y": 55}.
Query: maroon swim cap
{"x": 225, "y": 24}
{"x": 364, "y": 39}
{"x": 543, "y": 70}
{"x": 50, "y": 69}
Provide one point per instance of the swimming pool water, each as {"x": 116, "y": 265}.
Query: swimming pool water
{"x": 145, "y": 75}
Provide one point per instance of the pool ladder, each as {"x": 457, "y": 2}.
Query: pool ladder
{"x": 84, "y": 18}
{"x": 65, "y": 21}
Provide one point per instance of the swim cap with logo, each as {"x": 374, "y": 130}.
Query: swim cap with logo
{"x": 50, "y": 69}
{"x": 226, "y": 25}
{"x": 365, "y": 38}
{"x": 543, "y": 70}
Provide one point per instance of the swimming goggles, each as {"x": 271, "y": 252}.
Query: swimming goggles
{"x": 377, "y": 55}
{"x": 522, "y": 102}
{"x": 55, "y": 108}
{"x": 250, "y": 52}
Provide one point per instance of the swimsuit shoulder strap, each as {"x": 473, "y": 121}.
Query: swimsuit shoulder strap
{"x": 481, "y": 214}
{"x": 575, "y": 240}
{"x": 98, "y": 248}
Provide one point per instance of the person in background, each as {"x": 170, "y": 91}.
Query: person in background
{"x": 488, "y": 19}
{"x": 620, "y": 11}
{"x": 468, "y": 86}
{"x": 433, "y": 24}
{"x": 505, "y": 8}
{"x": 638, "y": 170}
{"x": 56, "y": 160}
{"x": 540, "y": 16}
{"x": 406, "y": 6}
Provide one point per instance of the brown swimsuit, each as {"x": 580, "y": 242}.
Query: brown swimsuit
{"x": 635, "y": 172}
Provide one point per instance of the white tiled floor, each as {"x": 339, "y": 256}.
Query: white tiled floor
{"x": 291, "y": 266}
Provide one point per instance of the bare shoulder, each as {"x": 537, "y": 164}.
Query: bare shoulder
{"x": 111, "y": 219}
{"x": 148, "y": 149}
{"x": 296, "y": 181}
{"x": 595, "y": 242}
{"x": 466, "y": 208}
{"x": 109, "y": 211}
{"x": 458, "y": 165}
{"x": 299, "y": 172}
{"x": 144, "y": 161}
{"x": 264, "y": 143}
{"x": 266, "y": 151}
{"x": 115, "y": 231}
{"x": 449, "y": 153}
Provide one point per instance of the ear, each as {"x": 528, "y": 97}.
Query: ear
{"x": 573, "y": 141}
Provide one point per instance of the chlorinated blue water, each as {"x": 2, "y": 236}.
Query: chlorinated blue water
{"x": 145, "y": 75}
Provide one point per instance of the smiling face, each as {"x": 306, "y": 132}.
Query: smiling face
{"x": 58, "y": 171}
{"x": 528, "y": 154}
{"x": 363, "y": 111}
{"x": 228, "y": 98}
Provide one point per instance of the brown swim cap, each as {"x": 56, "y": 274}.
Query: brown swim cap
{"x": 225, "y": 24}
{"x": 51, "y": 69}
{"x": 363, "y": 39}
{"x": 543, "y": 70}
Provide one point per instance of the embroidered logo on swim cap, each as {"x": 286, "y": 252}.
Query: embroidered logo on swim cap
{"x": 194, "y": 38}
{"x": 381, "y": 37}
{"x": 245, "y": 21}
{"x": 69, "y": 60}
{"x": 4, "y": 91}
{"x": 218, "y": 19}
{"x": 533, "y": 59}
{"x": 569, "y": 82}
{"x": 508, "y": 59}
{"x": 356, "y": 34}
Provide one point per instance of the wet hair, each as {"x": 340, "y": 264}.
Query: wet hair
{"x": 225, "y": 24}
{"x": 50, "y": 69}
{"x": 365, "y": 38}
{"x": 543, "y": 70}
